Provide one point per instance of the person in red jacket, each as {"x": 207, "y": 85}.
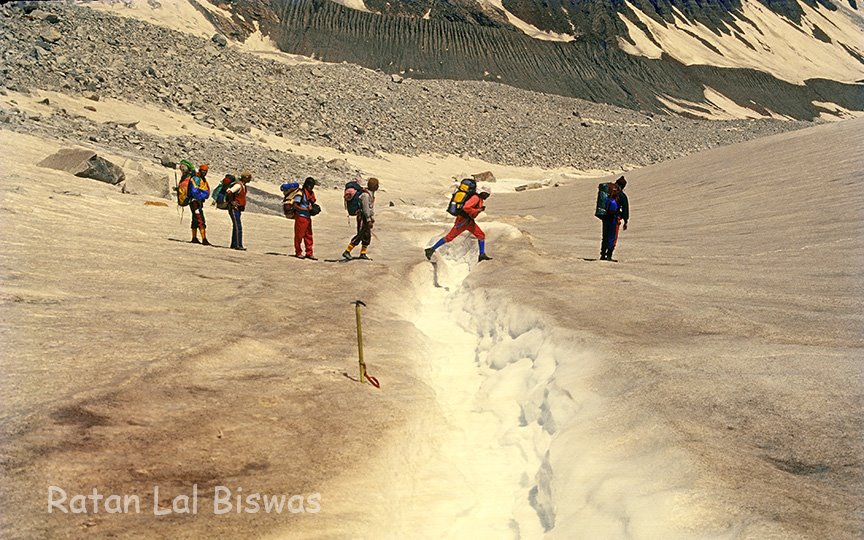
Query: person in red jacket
{"x": 465, "y": 222}
{"x": 304, "y": 209}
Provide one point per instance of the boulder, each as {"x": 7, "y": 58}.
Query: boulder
{"x": 220, "y": 40}
{"x": 485, "y": 176}
{"x": 40, "y": 15}
{"x": 84, "y": 164}
{"x": 532, "y": 185}
{"x": 50, "y": 34}
{"x": 145, "y": 183}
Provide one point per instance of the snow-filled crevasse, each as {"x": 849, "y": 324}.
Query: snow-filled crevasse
{"x": 529, "y": 448}
{"x": 490, "y": 366}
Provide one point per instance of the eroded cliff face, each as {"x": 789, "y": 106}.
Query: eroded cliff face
{"x": 475, "y": 40}
{"x": 600, "y": 20}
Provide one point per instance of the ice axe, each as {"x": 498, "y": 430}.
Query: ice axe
{"x": 363, "y": 375}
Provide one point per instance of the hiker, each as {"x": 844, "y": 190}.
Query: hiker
{"x": 623, "y": 203}
{"x": 199, "y": 191}
{"x": 465, "y": 222}
{"x": 187, "y": 172}
{"x": 365, "y": 221}
{"x": 236, "y": 196}
{"x": 610, "y": 220}
{"x": 304, "y": 208}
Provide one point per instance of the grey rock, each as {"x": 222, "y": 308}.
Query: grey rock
{"x": 219, "y": 40}
{"x": 485, "y": 176}
{"x": 50, "y": 34}
{"x": 239, "y": 126}
{"x": 40, "y": 15}
{"x": 84, "y": 164}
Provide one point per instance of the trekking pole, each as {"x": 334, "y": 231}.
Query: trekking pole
{"x": 363, "y": 375}
{"x": 176, "y": 191}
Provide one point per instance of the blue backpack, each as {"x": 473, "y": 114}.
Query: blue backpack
{"x": 289, "y": 191}
{"x": 353, "y": 190}
{"x": 220, "y": 193}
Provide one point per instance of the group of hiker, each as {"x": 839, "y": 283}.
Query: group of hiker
{"x": 193, "y": 190}
{"x": 300, "y": 204}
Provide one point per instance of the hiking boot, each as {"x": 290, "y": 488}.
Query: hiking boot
{"x": 429, "y": 252}
{"x": 206, "y": 242}
{"x": 194, "y": 241}
{"x": 311, "y": 257}
{"x": 364, "y": 256}
{"x": 240, "y": 248}
{"x": 346, "y": 255}
{"x": 483, "y": 257}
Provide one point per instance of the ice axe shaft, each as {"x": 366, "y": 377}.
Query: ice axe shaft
{"x": 363, "y": 375}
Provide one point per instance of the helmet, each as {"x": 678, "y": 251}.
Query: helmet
{"x": 188, "y": 164}
{"x": 203, "y": 167}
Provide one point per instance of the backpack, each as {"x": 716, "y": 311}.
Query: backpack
{"x": 602, "y": 200}
{"x": 220, "y": 194}
{"x": 183, "y": 192}
{"x": 353, "y": 190}
{"x": 290, "y": 191}
{"x": 467, "y": 187}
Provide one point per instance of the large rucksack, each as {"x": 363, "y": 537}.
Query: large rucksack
{"x": 220, "y": 193}
{"x": 602, "y": 200}
{"x": 183, "y": 191}
{"x": 467, "y": 187}
{"x": 290, "y": 190}
{"x": 353, "y": 190}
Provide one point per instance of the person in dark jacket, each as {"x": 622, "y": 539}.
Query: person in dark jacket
{"x": 610, "y": 224}
{"x": 465, "y": 222}
{"x": 623, "y": 203}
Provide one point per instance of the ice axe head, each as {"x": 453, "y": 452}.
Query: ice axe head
{"x": 359, "y": 303}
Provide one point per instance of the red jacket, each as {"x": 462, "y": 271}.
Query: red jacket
{"x": 472, "y": 206}
{"x": 239, "y": 194}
